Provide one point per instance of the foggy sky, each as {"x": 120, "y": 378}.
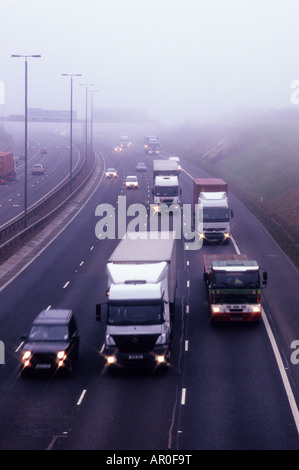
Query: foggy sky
{"x": 178, "y": 59}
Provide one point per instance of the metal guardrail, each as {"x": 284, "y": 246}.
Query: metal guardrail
{"x": 14, "y": 226}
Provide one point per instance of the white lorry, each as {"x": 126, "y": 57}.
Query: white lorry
{"x": 166, "y": 189}
{"x": 211, "y": 197}
{"x": 141, "y": 300}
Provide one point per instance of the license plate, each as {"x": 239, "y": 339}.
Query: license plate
{"x": 43, "y": 366}
{"x": 136, "y": 356}
{"x": 236, "y": 317}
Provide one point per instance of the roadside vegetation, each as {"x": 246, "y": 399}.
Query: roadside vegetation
{"x": 259, "y": 160}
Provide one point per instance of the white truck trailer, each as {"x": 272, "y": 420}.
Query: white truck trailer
{"x": 141, "y": 300}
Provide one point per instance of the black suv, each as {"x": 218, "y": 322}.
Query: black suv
{"x": 53, "y": 342}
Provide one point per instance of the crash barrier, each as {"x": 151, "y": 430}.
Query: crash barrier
{"x": 13, "y": 232}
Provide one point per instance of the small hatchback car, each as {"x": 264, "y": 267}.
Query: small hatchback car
{"x": 37, "y": 169}
{"x": 111, "y": 173}
{"x": 53, "y": 342}
{"x": 131, "y": 182}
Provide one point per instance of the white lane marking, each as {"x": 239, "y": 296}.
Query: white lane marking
{"x": 66, "y": 284}
{"x": 235, "y": 245}
{"x": 183, "y": 397}
{"x": 282, "y": 371}
{"x": 81, "y": 397}
{"x": 19, "y": 347}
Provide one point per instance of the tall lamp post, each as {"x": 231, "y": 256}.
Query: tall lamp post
{"x": 86, "y": 112}
{"x": 71, "y": 123}
{"x": 26, "y": 131}
{"x": 91, "y": 119}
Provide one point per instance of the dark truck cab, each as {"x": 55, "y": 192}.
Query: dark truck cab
{"x": 234, "y": 286}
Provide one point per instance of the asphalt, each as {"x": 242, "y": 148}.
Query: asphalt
{"x": 18, "y": 262}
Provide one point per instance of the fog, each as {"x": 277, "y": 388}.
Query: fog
{"x": 178, "y": 60}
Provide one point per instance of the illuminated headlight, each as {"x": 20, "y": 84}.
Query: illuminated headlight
{"x": 26, "y": 355}
{"x": 226, "y": 235}
{"x": 111, "y": 359}
{"x": 160, "y": 359}
{"x": 215, "y": 309}
{"x": 61, "y": 355}
{"x": 256, "y": 308}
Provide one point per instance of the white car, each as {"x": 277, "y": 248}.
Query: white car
{"x": 131, "y": 182}
{"x": 110, "y": 173}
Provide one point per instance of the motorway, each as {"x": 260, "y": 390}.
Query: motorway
{"x": 56, "y": 164}
{"x": 224, "y": 389}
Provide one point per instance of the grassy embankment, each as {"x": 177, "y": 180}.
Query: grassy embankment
{"x": 260, "y": 161}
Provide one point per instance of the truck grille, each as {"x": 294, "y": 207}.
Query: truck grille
{"x": 135, "y": 343}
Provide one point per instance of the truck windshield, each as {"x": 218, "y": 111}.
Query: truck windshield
{"x": 215, "y": 214}
{"x": 165, "y": 191}
{"x": 135, "y": 314}
{"x": 236, "y": 280}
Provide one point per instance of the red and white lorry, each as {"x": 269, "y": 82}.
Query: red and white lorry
{"x": 234, "y": 286}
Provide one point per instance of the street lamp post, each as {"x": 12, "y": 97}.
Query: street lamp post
{"x": 91, "y": 119}
{"x": 26, "y": 131}
{"x": 86, "y": 112}
{"x": 71, "y": 123}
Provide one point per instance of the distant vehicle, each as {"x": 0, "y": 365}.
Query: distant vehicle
{"x": 53, "y": 341}
{"x": 124, "y": 141}
{"x": 110, "y": 173}
{"x": 151, "y": 145}
{"x": 44, "y": 150}
{"x": 140, "y": 167}
{"x": 131, "y": 182}
{"x": 118, "y": 148}
{"x": 7, "y": 167}
{"x": 37, "y": 169}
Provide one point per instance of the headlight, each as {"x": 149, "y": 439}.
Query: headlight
{"x": 160, "y": 359}
{"x": 215, "y": 309}
{"x": 111, "y": 359}
{"x": 256, "y": 308}
{"x": 61, "y": 355}
{"x": 26, "y": 355}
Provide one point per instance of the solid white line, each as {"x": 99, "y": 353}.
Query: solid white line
{"x": 282, "y": 371}
{"x": 81, "y": 397}
{"x": 235, "y": 245}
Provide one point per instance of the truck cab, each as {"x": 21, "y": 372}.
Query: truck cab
{"x": 234, "y": 287}
{"x": 215, "y": 216}
{"x": 166, "y": 190}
